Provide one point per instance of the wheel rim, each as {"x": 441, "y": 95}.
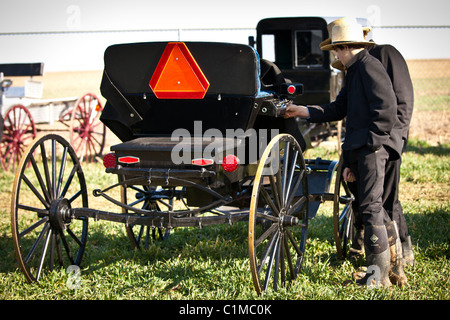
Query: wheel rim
{"x": 142, "y": 236}
{"x": 87, "y": 132}
{"x": 19, "y": 131}
{"x": 43, "y": 231}
{"x": 277, "y": 232}
{"x": 343, "y": 217}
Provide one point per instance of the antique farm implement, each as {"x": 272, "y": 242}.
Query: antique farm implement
{"x": 22, "y": 108}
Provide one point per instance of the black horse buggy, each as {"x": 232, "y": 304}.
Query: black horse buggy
{"x": 203, "y": 142}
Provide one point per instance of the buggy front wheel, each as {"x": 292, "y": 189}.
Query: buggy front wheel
{"x": 278, "y": 218}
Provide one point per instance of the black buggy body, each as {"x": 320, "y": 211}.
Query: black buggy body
{"x": 198, "y": 132}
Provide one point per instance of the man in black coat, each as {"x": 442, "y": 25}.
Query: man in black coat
{"x": 397, "y": 69}
{"x": 373, "y": 135}
{"x": 398, "y": 72}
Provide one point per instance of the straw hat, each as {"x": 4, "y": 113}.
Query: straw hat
{"x": 349, "y": 34}
{"x": 342, "y": 22}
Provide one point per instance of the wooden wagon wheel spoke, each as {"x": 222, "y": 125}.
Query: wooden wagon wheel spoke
{"x": 6, "y": 138}
{"x": 281, "y": 189}
{"x": 97, "y": 124}
{"x": 43, "y": 254}
{"x": 43, "y": 229}
{"x": 37, "y": 242}
{"x": 94, "y": 139}
{"x": 36, "y": 192}
{"x": 69, "y": 180}
{"x": 32, "y": 227}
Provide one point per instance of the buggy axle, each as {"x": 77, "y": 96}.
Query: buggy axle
{"x": 159, "y": 219}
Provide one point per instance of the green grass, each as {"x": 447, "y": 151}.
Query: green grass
{"x": 212, "y": 262}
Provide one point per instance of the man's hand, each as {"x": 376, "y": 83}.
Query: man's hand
{"x": 293, "y": 110}
{"x": 348, "y": 175}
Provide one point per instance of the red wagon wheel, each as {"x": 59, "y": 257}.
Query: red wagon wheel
{"x": 87, "y": 132}
{"x": 19, "y": 131}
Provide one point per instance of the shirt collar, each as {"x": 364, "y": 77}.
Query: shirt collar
{"x": 355, "y": 57}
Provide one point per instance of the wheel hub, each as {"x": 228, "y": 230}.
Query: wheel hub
{"x": 288, "y": 220}
{"x": 60, "y": 215}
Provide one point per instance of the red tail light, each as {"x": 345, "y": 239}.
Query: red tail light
{"x": 230, "y": 163}
{"x": 109, "y": 160}
{"x": 291, "y": 89}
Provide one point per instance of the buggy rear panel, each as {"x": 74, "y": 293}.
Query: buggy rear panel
{"x": 132, "y": 109}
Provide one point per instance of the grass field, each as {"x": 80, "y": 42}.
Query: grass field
{"x": 212, "y": 262}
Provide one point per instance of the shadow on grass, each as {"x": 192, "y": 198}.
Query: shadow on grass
{"x": 421, "y": 147}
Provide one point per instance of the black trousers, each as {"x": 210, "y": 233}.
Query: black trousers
{"x": 369, "y": 169}
{"x": 390, "y": 200}
{"x": 391, "y": 203}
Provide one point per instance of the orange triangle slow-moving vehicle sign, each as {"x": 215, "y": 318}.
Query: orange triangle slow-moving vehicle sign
{"x": 177, "y": 75}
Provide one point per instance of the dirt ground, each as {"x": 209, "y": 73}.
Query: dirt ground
{"x": 429, "y": 69}
{"x": 431, "y": 126}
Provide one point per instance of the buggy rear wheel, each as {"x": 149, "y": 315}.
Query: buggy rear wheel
{"x": 142, "y": 236}
{"x": 343, "y": 215}
{"x": 48, "y": 183}
{"x": 19, "y": 132}
{"x": 278, "y": 218}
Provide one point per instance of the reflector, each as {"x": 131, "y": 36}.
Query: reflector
{"x": 109, "y": 160}
{"x": 202, "y": 162}
{"x": 230, "y": 163}
{"x": 291, "y": 89}
{"x": 129, "y": 159}
{"x": 177, "y": 75}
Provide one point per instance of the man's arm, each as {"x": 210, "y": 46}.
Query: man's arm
{"x": 334, "y": 111}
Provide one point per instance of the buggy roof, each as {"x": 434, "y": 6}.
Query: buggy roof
{"x": 229, "y": 68}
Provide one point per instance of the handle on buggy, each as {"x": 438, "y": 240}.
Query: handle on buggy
{"x": 277, "y": 107}
{"x": 274, "y": 107}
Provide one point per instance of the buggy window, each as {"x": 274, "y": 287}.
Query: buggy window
{"x": 307, "y": 50}
{"x": 268, "y": 47}
{"x": 277, "y": 47}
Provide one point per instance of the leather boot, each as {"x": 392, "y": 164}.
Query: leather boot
{"x": 408, "y": 254}
{"x": 377, "y": 256}
{"x": 396, "y": 273}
